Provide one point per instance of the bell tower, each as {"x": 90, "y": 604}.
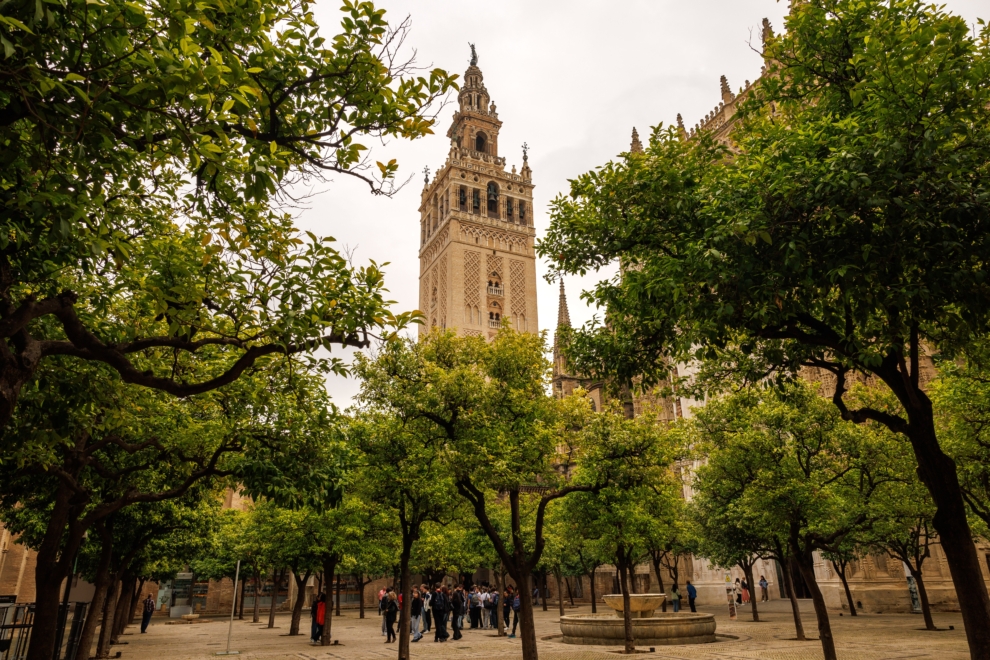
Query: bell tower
{"x": 477, "y": 263}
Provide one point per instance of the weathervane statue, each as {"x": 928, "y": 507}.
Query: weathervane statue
{"x": 474, "y": 55}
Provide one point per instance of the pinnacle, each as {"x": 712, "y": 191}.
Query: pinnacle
{"x": 636, "y": 147}
{"x": 563, "y": 315}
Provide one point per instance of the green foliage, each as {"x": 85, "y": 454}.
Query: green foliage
{"x": 148, "y": 152}
{"x": 961, "y": 395}
{"x": 784, "y": 470}
{"x": 852, "y": 213}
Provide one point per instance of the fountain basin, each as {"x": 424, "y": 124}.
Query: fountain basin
{"x": 661, "y": 630}
{"x": 640, "y": 605}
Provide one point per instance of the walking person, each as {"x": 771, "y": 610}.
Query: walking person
{"x": 737, "y": 591}
{"x": 391, "y": 613}
{"x": 675, "y": 598}
{"x": 692, "y": 593}
{"x": 516, "y": 604}
{"x": 764, "y": 593}
{"x": 416, "y": 615}
{"x": 745, "y": 592}
{"x": 146, "y": 611}
{"x": 427, "y": 612}
{"x": 457, "y": 611}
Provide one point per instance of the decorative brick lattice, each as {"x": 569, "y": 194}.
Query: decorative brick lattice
{"x": 517, "y": 288}
{"x": 472, "y": 278}
{"x": 494, "y": 265}
{"x": 443, "y": 292}
{"x": 473, "y": 333}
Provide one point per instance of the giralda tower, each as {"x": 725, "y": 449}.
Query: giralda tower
{"x": 477, "y": 265}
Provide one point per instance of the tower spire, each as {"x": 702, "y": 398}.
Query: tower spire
{"x": 635, "y": 147}
{"x": 563, "y": 315}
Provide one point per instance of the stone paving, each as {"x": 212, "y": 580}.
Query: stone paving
{"x": 867, "y": 637}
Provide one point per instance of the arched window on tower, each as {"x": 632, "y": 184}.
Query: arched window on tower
{"x": 481, "y": 142}
{"x": 492, "y": 199}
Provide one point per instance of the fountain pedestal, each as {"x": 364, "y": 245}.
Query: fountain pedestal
{"x": 649, "y": 627}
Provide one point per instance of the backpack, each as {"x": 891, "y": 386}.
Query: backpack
{"x": 516, "y": 604}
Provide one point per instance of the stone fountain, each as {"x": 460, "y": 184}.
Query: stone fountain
{"x": 650, "y": 628}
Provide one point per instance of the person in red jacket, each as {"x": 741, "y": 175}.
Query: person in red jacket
{"x": 319, "y": 614}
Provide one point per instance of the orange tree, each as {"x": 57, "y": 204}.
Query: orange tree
{"x": 148, "y": 152}
{"x": 847, "y": 228}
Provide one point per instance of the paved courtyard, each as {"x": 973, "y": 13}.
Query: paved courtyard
{"x": 867, "y": 637}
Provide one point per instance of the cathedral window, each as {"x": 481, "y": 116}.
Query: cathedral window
{"x": 476, "y": 200}
{"x": 508, "y": 208}
{"x": 492, "y": 199}
{"x": 480, "y": 142}
{"x": 522, "y": 212}
{"x": 462, "y": 198}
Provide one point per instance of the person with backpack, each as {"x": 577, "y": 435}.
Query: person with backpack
{"x": 474, "y": 601}
{"x": 516, "y": 605}
{"x": 675, "y": 598}
{"x": 441, "y": 606}
{"x": 493, "y": 603}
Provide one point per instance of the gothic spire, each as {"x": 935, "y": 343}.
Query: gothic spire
{"x": 635, "y": 147}
{"x": 563, "y": 315}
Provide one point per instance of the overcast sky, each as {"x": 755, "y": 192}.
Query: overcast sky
{"x": 571, "y": 78}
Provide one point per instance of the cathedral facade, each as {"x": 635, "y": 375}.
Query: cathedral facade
{"x": 477, "y": 265}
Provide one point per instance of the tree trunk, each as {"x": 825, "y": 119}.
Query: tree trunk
{"x": 256, "y": 614}
{"x": 594, "y": 596}
{"x": 527, "y": 625}
{"x": 938, "y": 472}
{"x": 329, "y": 568}
{"x": 497, "y": 610}
{"x": 338, "y": 594}
{"x": 136, "y": 599}
{"x": 297, "y": 606}
{"x": 240, "y": 608}
{"x": 120, "y": 616}
{"x": 623, "y": 567}
{"x": 840, "y": 569}
{"x": 276, "y": 581}
{"x": 807, "y": 566}
{"x": 795, "y": 608}
{"x": 102, "y": 584}
{"x": 543, "y": 589}
{"x": 54, "y": 551}
{"x": 560, "y": 594}
{"x": 660, "y": 587}
{"x": 363, "y": 584}
{"x": 570, "y": 594}
{"x": 405, "y": 588}
{"x": 926, "y": 610}
{"x": 103, "y": 645}
{"x": 748, "y": 570}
